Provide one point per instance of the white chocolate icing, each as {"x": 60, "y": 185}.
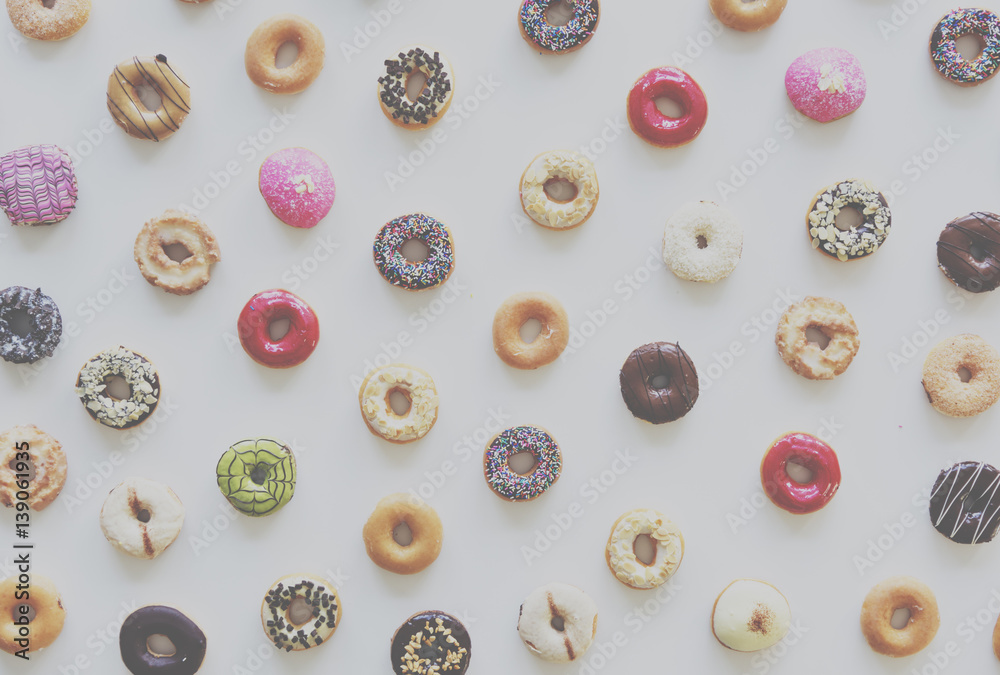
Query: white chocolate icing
{"x": 621, "y": 553}
{"x": 416, "y": 385}
{"x": 750, "y": 615}
{"x": 120, "y": 517}
{"x": 569, "y": 166}
{"x": 556, "y": 600}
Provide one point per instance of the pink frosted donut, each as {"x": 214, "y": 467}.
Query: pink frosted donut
{"x": 826, "y": 84}
{"x": 298, "y": 187}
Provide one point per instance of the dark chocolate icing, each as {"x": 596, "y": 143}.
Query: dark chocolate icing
{"x": 646, "y": 401}
{"x": 44, "y": 325}
{"x": 443, "y": 642}
{"x": 955, "y": 255}
{"x": 965, "y": 503}
{"x": 161, "y": 620}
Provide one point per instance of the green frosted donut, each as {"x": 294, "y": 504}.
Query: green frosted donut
{"x": 257, "y": 476}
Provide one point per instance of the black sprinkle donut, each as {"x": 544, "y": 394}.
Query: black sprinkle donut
{"x": 977, "y": 271}
{"x": 144, "y": 622}
{"x": 433, "y": 101}
{"x": 656, "y": 404}
{"x": 431, "y": 642}
{"x": 45, "y": 325}
{"x": 138, "y": 373}
{"x": 276, "y": 612}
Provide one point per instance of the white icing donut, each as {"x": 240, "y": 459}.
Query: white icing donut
{"x": 620, "y": 553}
{"x": 413, "y": 383}
{"x": 123, "y": 513}
{"x": 566, "y": 165}
{"x": 750, "y": 615}
{"x": 702, "y": 242}
{"x": 558, "y": 601}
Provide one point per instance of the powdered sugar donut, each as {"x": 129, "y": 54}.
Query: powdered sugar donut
{"x": 826, "y": 84}
{"x": 702, "y": 242}
{"x": 298, "y": 187}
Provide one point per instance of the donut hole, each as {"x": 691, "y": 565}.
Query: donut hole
{"x": 259, "y": 474}
{"x": 19, "y": 322}
{"x": 414, "y": 250}
{"x": 25, "y": 466}
{"x": 48, "y": 4}
{"x": 644, "y": 548}
{"x": 18, "y": 611}
{"x": 416, "y": 81}
{"x": 300, "y": 611}
{"x": 560, "y": 190}
{"x": 117, "y": 388}
{"x": 559, "y": 13}
{"x": 160, "y": 646}
{"x": 659, "y": 382}
{"x": 530, "y": 330}
{"x": 522, "y": 463}
{"x": 278, "y": 329}
{"x": 558, "y": 623}
{"x": 177, "y": 252}
{"x": 969, "y": 46}
{"x": 148, "y": 96}
{"x": 402, "y": 534}
{"x": 799, "y": 473}
{"x": 669, "y": 107}
{"x": 900, "y": 618}
{"x": 701, "y": 241}
{"x": 287, "y": 54}
{"x": 399, "y": 401}
{"x": 977, "y": 252}
{"x": 848, "y": 218}
{"x": 143, "y": 516}
{"x": 964, "y": 374}
{"x": 816, "y": 336}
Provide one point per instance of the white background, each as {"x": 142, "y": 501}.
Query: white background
{"x": 699, "y": 470}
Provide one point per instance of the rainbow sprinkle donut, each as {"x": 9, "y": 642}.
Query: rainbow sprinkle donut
{"x": 537, "y": 30}
{"x": 982, "y": 24}
{"x": 515, "y": 487}
{"x": 433, "y": 270}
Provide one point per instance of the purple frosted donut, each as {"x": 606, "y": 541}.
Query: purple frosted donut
{"x": 513, "y": 486}
{"x": 537, "y": 30}
{"x": 826, "y": 84}
{"x": 298, "y": 187}
{"x": 37, "y": 185}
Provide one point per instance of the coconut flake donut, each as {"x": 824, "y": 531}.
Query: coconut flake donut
{"x": 23, "y": 444}
{"x": 882, "y": 602}
{"x": 858, "y": 241}
{"x": 977, "y": 271}
{"x": 555, "y": 166}
{"x": 546, "y": 347}
{"x": 138, "y": 373}
{"x": 826, "y": 84}
{"x": 276, "y": 613}
{"x": 981, "y": 24}
{"x": 620, "y": 550}
{"x": 418, "y": 389}
{"x": 255, "y": 321}
{"x": 131, "y": 113}
{"x": 809, "y": 452}
{"x": 133, "y": 640}
{"x": 172, "y": 228}
{"x": 430, "y": 272}
{"x": 807, "y": 358}
{"x": 552, "y": 39}
{"x": 37, "y": 185}
{"x": 702, "y": 241}
{"x": 257, "y": 476}
{"x": 648, "y": 402}
{"x": 429, "y": 643}
{"x": 942, "y": 376}
{"x": 34, "y": 20}
{"x": 425, "y": 528}
{"x": 747, "y": 15}
{"x": 44, "y": 325}
{"x": 541, "y": 612}
{"x": 262, "y": 50}
{"x": 515, "y": 487}
{"x": 298, "y": 187}
{"x": 42, "y": 597}
{"x": 434, "y": 99}
{"x": 141, "y": 517}
{"x": 654, "y": 127}
{"x": 750, "y": 615}
{"x": 965, "y": 504}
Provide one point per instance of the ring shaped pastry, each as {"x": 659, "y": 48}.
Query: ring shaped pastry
{"x": 807, "y": 358}
{"x": 190, "y": 643}
{"x": 254, "y": 326}
{"x": 142, "y": 518}
{"x": 649, "y": 399}
{"x": 395, "y": 268}
{"x": 653, "y": 126}
{"x": 43, "y": 598}
{"x": 276, "y": 612}
{"x": 44, "y": 325}
{"x": 857, "y": 241}
{"x": 429, "y": 643}
{"x": 40, "y": 22}
{"x": 262, "y": 50}
{"x": 553, "y": 167}
{"x": 257, "y": 476}
{"x": 172, "y": 228}
{"x": 811, "y": 453}
{"x": 547, "y": 345}
{"x": 433, "y": 100}
{"x": 620, "y": 550}
{"x": 982, "y": 24}
{"x": 515, "y": 487}
{"x": 944, "y": 379}
{"x": 882, "y": 602}
{"x": 747, "y": 15}
{"x": 553, "y": 605}
{"x": 128, "y": 110}
{"x": 138, "y": 373}
{"x": 376, "y": 407}
{"x": 425, "y": 529}
{"x": 552, "y": 39}
{"x": 20, "y": 446}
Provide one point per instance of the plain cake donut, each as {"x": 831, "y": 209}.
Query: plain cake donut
{"x": 262, "y": 49}
{"x": 550, "y": 342}
{"x": 425, "y": 528}
{"x": 881, "y": 603}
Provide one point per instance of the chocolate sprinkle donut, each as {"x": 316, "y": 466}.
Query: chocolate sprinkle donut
{"x": 965, "y": 506}
{"x": 275, "y": 612}
{"x": 977, "y": 271}
{"x": 433, "y": 100}
{"x": 431, "y": 642}
{"x": 654, "y": 404}
{"x": 188, "y": 640}
{"x": 44, "y": 321}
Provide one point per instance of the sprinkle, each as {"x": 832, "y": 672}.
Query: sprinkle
{"x": 980, "y": 23}
{"x": 433, "y": 99}
{"x": 513, "y": 486}
{"x": 414, "y": 276}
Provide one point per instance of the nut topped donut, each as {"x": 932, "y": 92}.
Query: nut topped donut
{"x": 262, "y": 50}
{"x": 431, "y": 103}
{"x": 859, "y": 240}
{"x": 665, "y": 402}
{"x": 418, "y": 389}
{"x": 37, "y": 185}
{"x": 54, "y": 21}
{"x": 44, "y": 325}
{"x": 138, "y": 373}
{"x": 968, "y": 251}
{"x": 559, "y": 166}
{"x": 557, "y": 622}
{"x": 944, "y": 380}
{"x": 159, "y": 269}
{"x": 430, "y": 643}
{"x": 549, "y": 38}
{"x": 982, "y": 24}
{"x": 131, "y": 113}
{"x": 826, "y": 84}
{"x": 620, "y": 550}
{"x": 395, "y": 268}
{"x": 807, "y": 358}
{"x": 23, "y": 444}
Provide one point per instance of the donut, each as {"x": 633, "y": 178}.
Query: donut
{"x": 810, "y": 453}
{"x": 702, "y": 241}
{"x": 514, "y": 313}
{"x": 297, "y": 185}
{"x": 515, "y": 487}
{"x": 826, "y": 84}
{"x": 431, "y": 642}
{"x": 376, "y": 409}
{"x": 968, "y": 251}
{"x": 749, "y": 615}
{"x": 807, "y": 358}
{"x": 652, "y": 403}
{"x": 44, "y": 325}
{"x": 620, "y": 550}
{"x": 551, "y": 39}
{"x": 276, "y": 612}
{"x": 964, "y": 505}
{"x": 747, "y": 15}
{"x": 942, "y": 376}
{"x": 982, "y": 24}
{"x": 129, "y": 111}
{"x": 37, "y": 184}
{"x": 255, "y": 321}
{"x": 559, "y": 165}
{"x": 552, "y": 605}
{"x": 19, "y": 446}
{"x": 141, "y": 517}
{"x": 881, "y": 603}
{"x": 257, "y": 476}
{"x": 42, "y": 597}
{"x": 996, "y": 639}
{"x": 858, "y": 241}
{"x": 430, "y": 272}
{"x": 425, "y": 528}
{"x": 654, "y": 127}
{"x": 138, "y": 373}
{"x": 40, "y": 22}
{"x": 433, "y": 100}
{"x": 176, "y": 227}
{"x": 262, "y": 50}
{"x": 190, "y": 643}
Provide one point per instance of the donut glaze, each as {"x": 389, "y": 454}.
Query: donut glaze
{"x": 811, "y": 453}
{"x": 551, "y": 39}
{"x": 161, "y": 620}
{"x": 394, "y": 267}
{"x": 984, "y": 25}
{"x": 956, "y": 256}
{"x": 298, "y": 187}
{"x": 264, "y": 309}
{"x": 653, "y": 126}
{"x": 516, "y": 487}
{"x": 653, "y": 404}
{"x": 43, "y": 597}
{"x": 965, "y": 504}
{"x": 431, "y": 642}
{"x": 257, "y": 476}
{"x": 28, "y": 442}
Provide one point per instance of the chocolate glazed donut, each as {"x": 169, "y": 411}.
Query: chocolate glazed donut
{"x": 958, "y": 259}
{"x": 655, "y": 404}
{"x": 188, "y": 639}
{"x": 965, "y": 504}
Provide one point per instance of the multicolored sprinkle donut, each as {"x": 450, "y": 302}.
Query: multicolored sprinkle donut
{"x": 276, "y": 614}
{"x": 432, "y": 271}
{"x": 858, "y": 241}
{"x": 536, "y": 29}
{"x": 979, "y": 23}
{"x": 44, "y": 325}
{"x": 138, "y": 373}
{"x": 257, "y": 476}
{"x": 515, "y": 487}
{"x": 432, "y": 102}
{"x": 37, "y": 185}
{"x": 429, "y": 643}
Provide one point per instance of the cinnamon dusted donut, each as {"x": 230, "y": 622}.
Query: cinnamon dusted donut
{"x": 655, "y": 402}
{"x": 514, "y": 313}
{"x": 172, "y": 228}
{"x": 28, "y": 443}
{"x": 262, "y": 49}
{"x": 557, "y": 622}
{"x": 56, "y": 22}
{"x": 133, "y": 640}
{"x": 425, "y": 528}
{"x": 620, "y": 550}
{"x": 435, "y": 97}
{"x": 141, "y": 517}
{"x": 418, "y": 388}
{"x": 943, "y": 379}
{"x": 807, "y": 358}
{"x": 968, "y": 251}
{"x": 882, "y": 602}
{"x": 42, "y": 597}
{"x": 294, "y": 633}
{"x": 131, "y": 113}
{"x": 749, "y": 615}
{"x": 747, "y": 15}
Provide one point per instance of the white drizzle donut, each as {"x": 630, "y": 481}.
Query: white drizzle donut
{"x": 620, "y": 553}
{"x": 418, "y": 388}
{"x": 141, "y": 517}
{"x": 559, "y": 165}
{"x": 557, "y": 601}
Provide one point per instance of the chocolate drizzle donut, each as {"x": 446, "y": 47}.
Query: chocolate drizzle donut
{"x": 974, "y": 270}
{"x": 144, "y": 622}
{"x": 433, "y": 100}
{"x": 431, "y": 642}
{"x": 44, "y": 325}
{"x": 965, "y": 506}
{"x": 127, "y": 108}
{"x": 659, "y": 404}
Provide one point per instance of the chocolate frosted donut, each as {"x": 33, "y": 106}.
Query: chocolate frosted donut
{"x": 965, "y": 506}
{"x": 431, "y": 642}
{"x": 44, "y": 325}
{"x": 659, "y": 404}
{"x": 968, "y": 251}
{"x": 188, "y": 640}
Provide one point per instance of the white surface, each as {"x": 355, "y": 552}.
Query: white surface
{"x": 698, "y": 471}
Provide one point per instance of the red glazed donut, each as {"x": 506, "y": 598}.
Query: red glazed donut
{"x": 811, "y": 453}
{"x": 264, "y": 309}
{"x": 653, "y": 126}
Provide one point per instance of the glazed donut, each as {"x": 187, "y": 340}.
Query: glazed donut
{"x": 515, "y": 487}
{"x": 747, "y": 15}
{"x": 881, "y": 603}
{"x": 860, "y": 240}
{"x": 276, "y": 614}
{"x": 44, "y": 325}
{"x": 806, "y": 358}
{"x": 431, "y": 642}
{"x": 996, "y": 639}
{"x": 546, "y": 347}
{"x": 264, "y": 309}
{"x": 141, "y": 517}
{"x": 648, "y": 402}
{"x": 551, "y": 39}
{"x": 559, "y": 165}
{"x": 957, "y": 256}
{"x": 140, "y": 625}
{"x": 964, "y": 505}
{"x": 826, "y": 84}
{"x": 418, "y": 388}
{"x": 37, "y": 184}
{"x": 425, "y": 528}
{"x": 620, "y": 550}
{"x": 749, "y": 615}
{"x": 262, "y": 49}
{"x": 540, "y": 613}
{"x": 434, "y": 99}
{"x": 43, "y": 598}
{"x": 257, "y": 476}
{"x": 654, "y": 127}
{"x": 942, "y": 376}
{"x": 702, "y": 241}
{"x": 138, "y": 373}
{"x": 982, "y": 24}
{"x": 129, "y": 111}
{"x": 34, "y": 20}
{"x": 176, "y": 227}
{"x": 28, "y": 443}
{"x": 812, "y": 454}
{"x": 298, "y": 187}
{"x": 433, "y": 271}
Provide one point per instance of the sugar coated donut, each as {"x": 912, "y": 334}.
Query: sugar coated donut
{"x": 882, "y": 602}
{"x": 40, "y": 22}
{"x": 554, "y": 166}
{"x": 268, "y": 307}
{"x": 747, "y": 15}
{"x": 176, "y": 227}
{"x": 430, "y": 272}
{"x": 138, "y": 373}
{"x": 653, "y": 126}
{"x": 665, "y": 402}
{"x": 19, "y": 446}
{"x": 257, "y": 476}
{"x": 807, "y": 358}
{"x": 44, "y": 325}
{"x": 431, "y": 642}
{"x": 968, "y": 251}
{"x": 188, "y": 640}
{"x": 131, "y": 113}
{"x": 433, "y": 100}
{"x": 553, "y": 605}
{"x": 546, "y": 347}
{"x": 513, "y": 486}
{"x": 826, "y": 84}
{"x": 943, "y": 379}
{"x": 141, "y": 517}
{"x": 620, "y": 550}
{"x": 425, "y": 528}
{"x": 552, "y": 39}
{"x": 859, "y": 240}
{"x": 809, "y": 452}
{"x": 982, "y": 24}
{"x": 414, "y": 384}
{"x": 262, "y": 50}
{"x": 37, "y": 184}
{"x": 965, "y": 504}
{"x": 276, "y": 612}
{"x": 702, "y": 241}
{"x": 297, "y": 185}
{"x": 749, "y": 615}
{"x": 42, "y": 597}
